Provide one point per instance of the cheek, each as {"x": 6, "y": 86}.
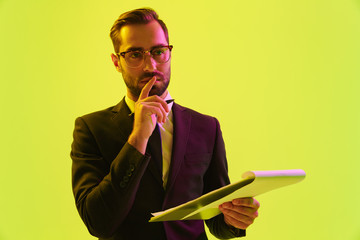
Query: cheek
{"x": 165, "y": 70}
{"x": 134, "y": 74}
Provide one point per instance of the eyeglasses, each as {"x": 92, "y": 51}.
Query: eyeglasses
{"x": 135, "y": 58}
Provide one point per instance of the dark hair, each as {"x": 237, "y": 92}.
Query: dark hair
{"x": 137, "y": 16}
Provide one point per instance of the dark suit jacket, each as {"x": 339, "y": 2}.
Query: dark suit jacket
{"x": 116, "y": 188}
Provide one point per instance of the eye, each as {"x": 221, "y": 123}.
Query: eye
{"x": 158, "y": 51}
{"x": 135, "y": 54}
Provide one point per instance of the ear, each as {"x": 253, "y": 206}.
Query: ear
{"x": 116, "y": 62}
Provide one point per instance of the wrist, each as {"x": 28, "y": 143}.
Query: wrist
{"x": 138, "y": 142}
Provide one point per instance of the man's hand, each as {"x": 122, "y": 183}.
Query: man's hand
{"x": 148, "y": 111}
{"x": 240, "y": 212}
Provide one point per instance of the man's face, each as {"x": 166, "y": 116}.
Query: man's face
{"x": 144, "y": 37}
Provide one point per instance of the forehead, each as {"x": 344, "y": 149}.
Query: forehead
{"x": 142, "y": 35}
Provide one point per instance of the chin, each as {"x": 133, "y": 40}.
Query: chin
{"x": 156, "y": 91}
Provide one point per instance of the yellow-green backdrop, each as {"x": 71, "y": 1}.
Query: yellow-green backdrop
{"x": 281, "y": 76}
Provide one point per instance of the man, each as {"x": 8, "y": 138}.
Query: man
{"x": 147, "y": 153}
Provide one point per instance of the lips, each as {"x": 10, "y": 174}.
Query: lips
{"x": 147, "y": 79}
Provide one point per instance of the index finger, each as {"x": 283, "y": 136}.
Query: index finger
{"x": 146, "y": 89}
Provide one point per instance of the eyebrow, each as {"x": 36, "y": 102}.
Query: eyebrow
{"x": 134, "y": 49}
{"x": 141, "y": 48}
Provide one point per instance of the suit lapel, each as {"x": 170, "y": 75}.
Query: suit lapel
{"x": 123, "y": 118}
{"x": 182, "y": 123}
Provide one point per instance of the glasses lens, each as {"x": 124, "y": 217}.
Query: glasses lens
{"x": 161, "y": 54}
{"x": 134, "y": 58}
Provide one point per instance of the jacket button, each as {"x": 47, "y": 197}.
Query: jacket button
{"x": 122, "y": 184}
{"x": 132, "y": 167}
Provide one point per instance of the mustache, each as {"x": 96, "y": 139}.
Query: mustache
{"x": 153, "y": 74}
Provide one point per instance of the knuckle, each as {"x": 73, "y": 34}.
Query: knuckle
{"x": 250, "y": 221}
{"x": 247, "y": 222}
{"x": 157, "y": 98}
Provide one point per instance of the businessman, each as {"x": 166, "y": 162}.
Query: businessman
{"x": 148, "y": 153}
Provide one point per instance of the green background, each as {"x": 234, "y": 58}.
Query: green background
{"x": 281, "y": 76}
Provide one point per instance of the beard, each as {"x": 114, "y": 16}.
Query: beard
{"x": 136, "y": 84}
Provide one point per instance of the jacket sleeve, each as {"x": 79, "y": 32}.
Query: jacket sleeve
{"x": 104, "y": 192}
{"x": 217, "y": 175}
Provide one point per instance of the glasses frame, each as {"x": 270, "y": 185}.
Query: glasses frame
{"x": 122, "y": 54}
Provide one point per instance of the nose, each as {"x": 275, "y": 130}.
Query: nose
{"x": 149, "y": 63}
